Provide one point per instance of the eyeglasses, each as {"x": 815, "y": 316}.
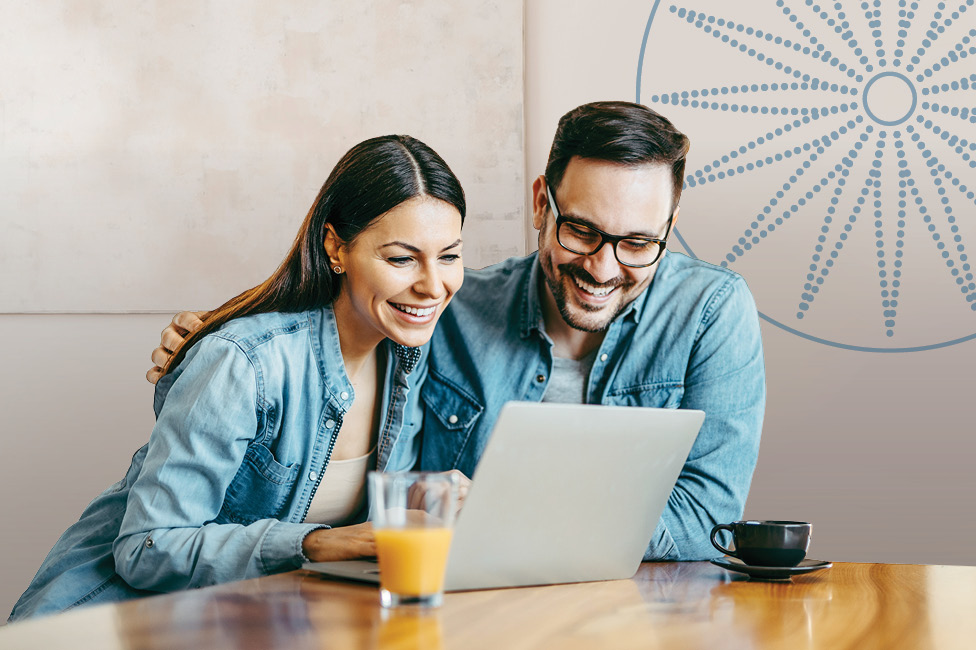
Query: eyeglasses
{"x": 632, "y": 251}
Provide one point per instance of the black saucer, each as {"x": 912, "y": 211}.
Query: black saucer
{"x": 771, "y": 572}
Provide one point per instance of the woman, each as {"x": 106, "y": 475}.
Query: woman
{"x": 270, "y": 415}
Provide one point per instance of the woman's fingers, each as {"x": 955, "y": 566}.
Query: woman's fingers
{"x": 416, "y": 497}
{"x": 464, "y": 485}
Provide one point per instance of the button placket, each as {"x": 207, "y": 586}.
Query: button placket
{"x": 316, "y": 477}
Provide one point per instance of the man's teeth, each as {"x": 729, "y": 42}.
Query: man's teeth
{"x": 596, "y": 291}
{"x": 427, "y": 311}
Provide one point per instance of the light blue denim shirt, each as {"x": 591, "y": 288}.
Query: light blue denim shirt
{"x": 244, "y": 430}
{"x": 691, "y": 340}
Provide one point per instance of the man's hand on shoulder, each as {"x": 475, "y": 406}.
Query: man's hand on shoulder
{"x": 183, "y": 324}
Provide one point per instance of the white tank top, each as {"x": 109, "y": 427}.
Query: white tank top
{"x": 342, "y": 492}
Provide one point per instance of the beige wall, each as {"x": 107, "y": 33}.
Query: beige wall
{"x": 876, "y": 449}
{"x": 202, "y": 133}
{"x": 75, "y": 407}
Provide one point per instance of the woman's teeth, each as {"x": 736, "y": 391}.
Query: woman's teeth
{"x": 413, "y": 311}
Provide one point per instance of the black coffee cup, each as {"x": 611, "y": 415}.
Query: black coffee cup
{"x": 767, "y": 543}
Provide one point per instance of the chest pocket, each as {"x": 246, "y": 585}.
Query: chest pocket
{"x": 449, "y": 417}
{"x": 261, "y": 488}
{"x": 666, "y": 395}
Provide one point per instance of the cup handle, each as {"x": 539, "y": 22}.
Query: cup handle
{"x": 715, "y": 531}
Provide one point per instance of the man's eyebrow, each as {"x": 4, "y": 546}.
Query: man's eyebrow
{"x": 587, "y": 222}
{"x": 414, "y": 249}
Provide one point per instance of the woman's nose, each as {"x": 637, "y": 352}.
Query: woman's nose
{"x": 429, "y": 283}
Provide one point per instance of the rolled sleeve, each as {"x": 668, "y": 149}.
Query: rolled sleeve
{"x": 168, "y": 538}
{"x": 726, "y": 380}
{"x": 282, "y": 545}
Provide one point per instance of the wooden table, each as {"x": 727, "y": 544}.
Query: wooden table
{"x": 668, "y": 605}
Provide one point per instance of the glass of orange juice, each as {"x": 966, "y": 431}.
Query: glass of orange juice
{"x": 413, "y": 519}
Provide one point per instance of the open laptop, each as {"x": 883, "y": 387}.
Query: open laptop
{"x": 562, "y": 493}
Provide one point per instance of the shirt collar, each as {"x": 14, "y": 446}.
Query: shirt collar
{"x": 531, "y": 301}
{"x": 408, "y": 356}
{"x": 661, "y": 276}
{"x": 331, "y": 366}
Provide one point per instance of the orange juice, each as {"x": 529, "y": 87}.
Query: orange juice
{"x": 412, "y": 560}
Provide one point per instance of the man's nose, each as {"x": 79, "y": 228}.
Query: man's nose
{"x": 602, "y": 265}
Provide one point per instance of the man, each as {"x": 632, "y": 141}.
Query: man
{"x": 602, "y": 314}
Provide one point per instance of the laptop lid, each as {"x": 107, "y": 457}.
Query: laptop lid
{"x": 562, "y": 493}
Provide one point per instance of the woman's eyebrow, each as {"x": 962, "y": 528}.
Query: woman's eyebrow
{"x": 414, "y": 249}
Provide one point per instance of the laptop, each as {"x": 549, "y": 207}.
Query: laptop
{"x": 562, "y": 493}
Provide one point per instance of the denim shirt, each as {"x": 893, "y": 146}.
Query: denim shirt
{"x": 691, "y": 340}
{"x": 244, "y": 430}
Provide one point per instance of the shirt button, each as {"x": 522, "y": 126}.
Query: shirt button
{"x": 329, "y": 424}
{"x": 453, "y": 419}
{"x": 344, "y": 395}
{"x": 603, "y": 357}
{"x": 312, "y": 476}
{"x": 540, "y": 378}
{"x": 149, "y": 542}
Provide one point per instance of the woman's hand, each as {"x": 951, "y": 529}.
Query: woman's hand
{"x": 464, "y": 484}
{"x": 417, "y": 496}
{"x": 343, "y": 543}
{"x": 184, "y": 323}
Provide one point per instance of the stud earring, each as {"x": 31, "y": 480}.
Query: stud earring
{"x": 337, "y": 269}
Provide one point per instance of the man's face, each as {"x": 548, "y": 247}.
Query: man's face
{"x": 591, "y": 290}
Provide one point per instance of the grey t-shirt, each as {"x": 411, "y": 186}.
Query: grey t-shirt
{"x": 567, "y": 385}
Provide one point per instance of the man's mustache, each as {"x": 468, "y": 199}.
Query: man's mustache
{"x": 580, "y": 273}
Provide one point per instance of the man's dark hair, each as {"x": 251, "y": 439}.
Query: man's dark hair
{"x": 618, "y": 132}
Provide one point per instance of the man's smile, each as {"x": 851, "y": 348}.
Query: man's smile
{"x": 588, "y": 291}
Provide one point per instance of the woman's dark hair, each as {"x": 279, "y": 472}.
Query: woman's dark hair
{"x": 618, "y": 132}
{"x": 372, "y": 178}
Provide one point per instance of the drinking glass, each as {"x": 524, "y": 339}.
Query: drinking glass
{"x": 413, "y": 520}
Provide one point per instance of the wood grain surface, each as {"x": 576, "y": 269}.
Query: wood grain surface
{"x": 665, "y": 605}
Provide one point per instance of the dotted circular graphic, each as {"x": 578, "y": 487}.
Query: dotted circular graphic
{"x": 832, "y": 160}
{"x": 881, "y": 106}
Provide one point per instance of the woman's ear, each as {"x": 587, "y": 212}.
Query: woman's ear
{"x": 333, "y": 246}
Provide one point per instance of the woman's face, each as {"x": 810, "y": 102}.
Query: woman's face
{"x": 399, "y": 274}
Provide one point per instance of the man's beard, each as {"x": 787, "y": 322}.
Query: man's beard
{"x": 560, "y": 294}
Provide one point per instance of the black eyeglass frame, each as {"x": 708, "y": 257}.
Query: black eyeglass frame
{"x": 606, "y": 237}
